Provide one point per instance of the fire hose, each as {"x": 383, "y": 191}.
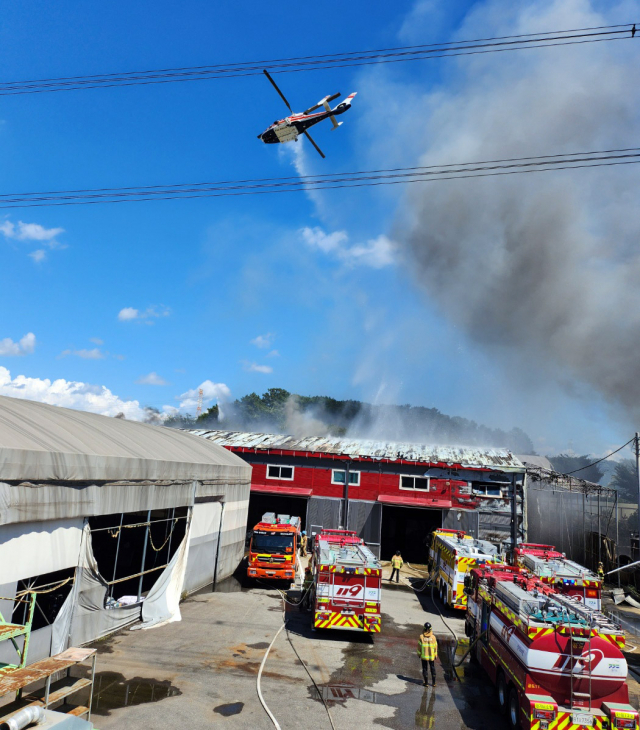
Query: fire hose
{"x": 266, "y": 654}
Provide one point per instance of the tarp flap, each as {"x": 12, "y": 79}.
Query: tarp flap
{"x": 162, "y": 604}
{"x": 91, "y": 620}
{"x": 31, "y": 549}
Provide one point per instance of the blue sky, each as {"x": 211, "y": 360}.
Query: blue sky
{"x": 310, "y": 293}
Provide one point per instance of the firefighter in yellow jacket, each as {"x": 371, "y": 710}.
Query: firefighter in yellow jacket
{"x": 428, "y": 651}
{"x": 396, "y": 564}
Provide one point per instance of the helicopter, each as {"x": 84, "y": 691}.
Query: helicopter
{"x": 290, "y": 128}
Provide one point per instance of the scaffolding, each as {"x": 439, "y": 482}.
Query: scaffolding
{"x": 578, "y": 517}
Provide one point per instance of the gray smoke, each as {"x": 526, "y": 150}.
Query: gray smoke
{"x": 544, "y": 265}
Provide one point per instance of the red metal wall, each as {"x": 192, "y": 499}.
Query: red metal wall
{"x": 372, "y": 484}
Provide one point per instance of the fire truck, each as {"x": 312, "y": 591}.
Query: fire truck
{"x": 556, "y": 663}
{"x": 346, "y": 583}
{"x": 553, "y": 567}
{"x": 452, "y": 555}
{"x": 274, "y": 548}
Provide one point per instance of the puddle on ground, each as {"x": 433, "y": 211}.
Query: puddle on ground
{"x": 451, "y": 703}
{"x": 112, "y": 691}
{"x": 233, "y": 708}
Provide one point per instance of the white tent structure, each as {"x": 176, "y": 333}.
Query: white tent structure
{"x": 119, "y": 518}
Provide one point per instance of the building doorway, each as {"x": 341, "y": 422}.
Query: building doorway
{"x": 407, "y": 529}
{"x": 260, "y": 503}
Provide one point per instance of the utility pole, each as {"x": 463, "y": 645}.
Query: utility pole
{"x": 514, "y": 513}
{"x": 637, "y": 445}
{"x": 345, "y": 509}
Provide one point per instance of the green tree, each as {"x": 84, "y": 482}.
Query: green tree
{"x": 565, "y": 463}
{"x": 625, "y": 480}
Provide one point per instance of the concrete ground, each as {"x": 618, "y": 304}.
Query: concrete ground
{"x": 202, "y": 670}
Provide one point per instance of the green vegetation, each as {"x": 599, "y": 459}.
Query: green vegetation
{"x": 280, "y": 411}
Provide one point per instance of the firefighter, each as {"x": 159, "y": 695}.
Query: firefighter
{"x": 303, "y": 544}
{"x": 601, "y": 571}
{"x": 428, "y": 651}
{"x": 396, "y": 563}
{"x": 306, "y": 588}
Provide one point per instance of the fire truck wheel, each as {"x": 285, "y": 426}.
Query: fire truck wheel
{"x": 513, "y": 715}
{"x": 502, "y": 691}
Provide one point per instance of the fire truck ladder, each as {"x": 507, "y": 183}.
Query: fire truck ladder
{"x": 593, "y": 619}
{"x": 577, "y": 677}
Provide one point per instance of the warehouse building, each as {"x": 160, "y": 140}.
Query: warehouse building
{"x": 392, "y": 494}
{"x": 110, "y": 520}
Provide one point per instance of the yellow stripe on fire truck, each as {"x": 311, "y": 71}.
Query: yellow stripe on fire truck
{"x": 337, "y": 620}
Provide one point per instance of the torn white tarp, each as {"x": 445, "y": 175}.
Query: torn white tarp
{"x": 30, "y": 549}
{"x": 91, "y": 620}
{"x": 162, "y": 603}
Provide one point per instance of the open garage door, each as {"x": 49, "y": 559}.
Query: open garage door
{"x": 365, "y": 518}
{"x": 407, "y": 529}
{"x": 281, "y": 504}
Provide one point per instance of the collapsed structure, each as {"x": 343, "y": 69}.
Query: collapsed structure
{"x": 392, "y": 494}
{"x": 112, "y": 520}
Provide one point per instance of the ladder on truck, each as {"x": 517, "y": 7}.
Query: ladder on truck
{"x": 578, "y": 677}
{"x": 594, "y": 619}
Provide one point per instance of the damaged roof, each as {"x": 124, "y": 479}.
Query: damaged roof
{"x": 469, "y": 457}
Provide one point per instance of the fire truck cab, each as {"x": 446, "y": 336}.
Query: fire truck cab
{"x": 452, "y": 555}
{"x": 346, "y": 583}
{"x": 567, "y": 577}
{"x": 556, "y": 663}
{"x": 274, "y": 548}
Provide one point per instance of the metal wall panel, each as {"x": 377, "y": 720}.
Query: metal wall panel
{"x": 324, "y": 512}
{"x": 365, "y": 518}
{"x": 468, "y": 520}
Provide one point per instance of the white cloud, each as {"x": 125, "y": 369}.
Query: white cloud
{"x": 263, "y": 341}
{"x": 376, "y": 252}
{"x": 128, "y": 313}
{"x": 38, "y": 255}
{"x": 151, "y": 379}
{"x": 147, "y": 315}
{"x": 25, "y": 346}
{"x": 70, "y": 394}
{"x": 210, "y": 391}
{"x": 96, "y": 341}
{"x": 31, "y": 232}
{"x": 252, "y": 367}
{"x": 93, "y": 354}
{"x": 273, "y": 353}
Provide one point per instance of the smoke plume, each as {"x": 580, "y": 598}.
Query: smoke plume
{"x": 545, "y": 265}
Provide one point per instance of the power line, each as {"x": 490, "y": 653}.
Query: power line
{"x": 330, "y": 181}
{"x": 326, "y": 61}
{"x": 582, "y": 468}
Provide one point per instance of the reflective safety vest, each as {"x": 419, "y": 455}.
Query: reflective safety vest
{"x": 427, "y": 647}
{"x": 397, "y": 562}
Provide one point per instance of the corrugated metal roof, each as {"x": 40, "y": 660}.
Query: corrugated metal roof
{"x": 471, "y": 457}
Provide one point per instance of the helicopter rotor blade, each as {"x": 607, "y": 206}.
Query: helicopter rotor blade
{"x": 320, "y": 103}
{"x": 275, "y": 86}
{"x": 310, "y": 138}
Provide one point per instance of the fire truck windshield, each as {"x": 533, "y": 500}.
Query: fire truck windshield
{"x": 271, "y": 543}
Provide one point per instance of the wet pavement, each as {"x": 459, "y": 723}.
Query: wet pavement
{"x": 204, "y": 669}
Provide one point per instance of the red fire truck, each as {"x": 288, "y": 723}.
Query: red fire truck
{"x": 555, "y": 662}
{"x": 346, "y": 583}
{"x": 553, "y": 567}
{"x": 274, "y": 548}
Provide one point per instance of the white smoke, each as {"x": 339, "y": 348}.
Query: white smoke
{"x": 545, "y": 265}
